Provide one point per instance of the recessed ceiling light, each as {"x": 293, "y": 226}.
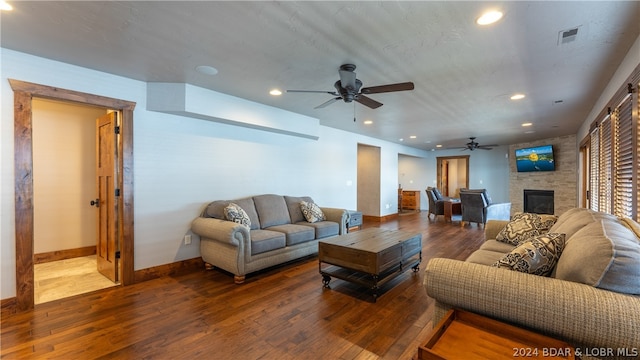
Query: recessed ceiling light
{"x": 489, "y": 17}
{"x": 413, "y": 136}
{"x": 438, "y": 146}
{"x": 517, "y": 96}
{"x": 368, "y": 122}
{"x": 206, "y": 69}
{"x": 401, "y": 139}
{"x": 5, "y": 6}
{"x": 527, "y": 124}
{"x": 275, "y": 92}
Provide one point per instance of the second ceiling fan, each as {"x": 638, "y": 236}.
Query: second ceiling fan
{"x": 348, "y": 89}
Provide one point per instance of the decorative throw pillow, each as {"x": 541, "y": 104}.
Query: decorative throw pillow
{"x": 524, "y": 226}
{"x": 537, "y": 256}
{"x": 311, "y": 212}
{"x": 235, "y": 213}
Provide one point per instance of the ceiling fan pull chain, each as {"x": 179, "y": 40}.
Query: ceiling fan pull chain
{"x": 354, "y": 112}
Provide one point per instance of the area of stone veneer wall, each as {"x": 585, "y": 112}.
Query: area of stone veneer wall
{"x": 563, "y": 181}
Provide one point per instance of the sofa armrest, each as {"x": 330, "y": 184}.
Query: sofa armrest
{"x": 341, "y": 216}
{"x": 224, "y": 231}
{"x": 501, "y": 211}
{"x": 580, "y": 314}
{"x": 493, "y": 227}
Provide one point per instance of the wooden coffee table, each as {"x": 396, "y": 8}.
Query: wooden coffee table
{"x": 370, "y": 257}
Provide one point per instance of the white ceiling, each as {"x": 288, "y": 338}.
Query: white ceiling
{"x": 463, "y": 74}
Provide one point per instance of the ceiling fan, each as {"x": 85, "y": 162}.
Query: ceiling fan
{"x": 348, "y": 89}
{"x": 472, "y": 145}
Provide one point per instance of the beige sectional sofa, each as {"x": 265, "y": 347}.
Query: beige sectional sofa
{"x": 590, "y": 299}
{"x": 275, "y": 231}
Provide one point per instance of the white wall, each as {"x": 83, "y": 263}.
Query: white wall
{"x": 487, "y": 169}
{"x": 181, "y": 163}
{"x": 625, "y": 69}
{"x": 64, "y": 175}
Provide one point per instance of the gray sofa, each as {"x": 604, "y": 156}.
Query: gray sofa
{"x": 278, "y": 232}
{"x": 590, "y": 299}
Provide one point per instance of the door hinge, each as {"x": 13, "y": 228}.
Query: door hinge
{"x": 117, "y": 192}
{"x": 118, "y": 254}
{"x": 116, "y": 130}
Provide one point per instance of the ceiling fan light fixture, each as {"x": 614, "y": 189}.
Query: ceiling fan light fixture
{"x": 489, "y": 17}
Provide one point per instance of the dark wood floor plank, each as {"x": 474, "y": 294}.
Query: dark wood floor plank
{"x": 279, "y": 313}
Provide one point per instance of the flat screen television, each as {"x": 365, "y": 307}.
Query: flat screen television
{"x": 539, "y": 158}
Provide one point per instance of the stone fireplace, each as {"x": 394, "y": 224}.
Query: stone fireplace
{"x": 538, "y": 201}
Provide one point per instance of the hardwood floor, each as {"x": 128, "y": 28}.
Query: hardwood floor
{"x": 280, "y": 313}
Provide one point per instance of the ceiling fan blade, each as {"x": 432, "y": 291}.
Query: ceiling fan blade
{"x": 388, "y": 88}
{"x": 327, "y": 103}
{"x": 366, "y": 101}
{"x": 348, "y": 79}
{"x": 314, "y": 91}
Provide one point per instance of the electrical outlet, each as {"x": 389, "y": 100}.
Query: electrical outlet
{"x": 187, "y": 239}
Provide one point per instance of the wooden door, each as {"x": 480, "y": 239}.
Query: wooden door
{"x": 107, "y": 244}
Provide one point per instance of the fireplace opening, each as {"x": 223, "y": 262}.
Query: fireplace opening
{"x": 538, "y": 201}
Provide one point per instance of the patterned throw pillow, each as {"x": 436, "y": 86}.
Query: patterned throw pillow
{"x": 537, "y": 256}
{"x": 312, "y": 212}
{"x": 524, "y": 226}
{"x": 235, "y": 213}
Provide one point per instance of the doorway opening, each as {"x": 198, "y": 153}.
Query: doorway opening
{"x": 452, "y": 174}
{"x": 24, "y": 92}
{"x": 64, "y": 186}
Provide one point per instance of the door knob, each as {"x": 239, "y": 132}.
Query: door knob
{"x": 95, "y": 202}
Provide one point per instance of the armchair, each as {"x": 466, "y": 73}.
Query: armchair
{"x": 478, "y": 208}
{"x": 436, "y": 202}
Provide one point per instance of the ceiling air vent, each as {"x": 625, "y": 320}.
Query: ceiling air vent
{"x": 567, "y": 36}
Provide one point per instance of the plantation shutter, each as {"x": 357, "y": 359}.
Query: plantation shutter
{"x": 604, "y": 188}
{"x": 623, "y": 155}
{"x": 594, "y": 167}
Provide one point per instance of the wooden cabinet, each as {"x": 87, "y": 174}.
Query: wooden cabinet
{"x": 410, "y": 200}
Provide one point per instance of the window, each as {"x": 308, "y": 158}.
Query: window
{"x": 613, "y": 148}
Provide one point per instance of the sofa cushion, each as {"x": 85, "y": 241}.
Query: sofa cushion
{"x": 293, "y": 204}
{"x": 485, "y": 257}
{"x": 499, "y": 246}
{"x": 524, "y": 226}
{"x": 216, "y": 210}
{"x": 323, "y": 228}
{"x": 272, "y": 210}
{"x": 312, "y": 212}
{"x": 235, "y": 213}
{"x": 604, "y": 254}
{"x": 537, "y": 255}
{"x": 575, "y": 219}
{"x": 266, "y": 240}
{"x": 295, "y": 234}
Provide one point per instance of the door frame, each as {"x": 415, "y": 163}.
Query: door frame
{"x": 439, "y": 160}
{"x": 23, "y": 92}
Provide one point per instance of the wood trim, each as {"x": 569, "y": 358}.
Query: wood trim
{"x": 172, "y": 269}
{"x": 126, "y": 198}
{"x": 50, "y": 92}
{"x": 379, "y": 219}
{"x": 439, "y": 159}
{"x": 23, "y": 163}
{"x": 46, "y": 257}
{"x": 8, "y": 307}
{"x": 23, "y": 167}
